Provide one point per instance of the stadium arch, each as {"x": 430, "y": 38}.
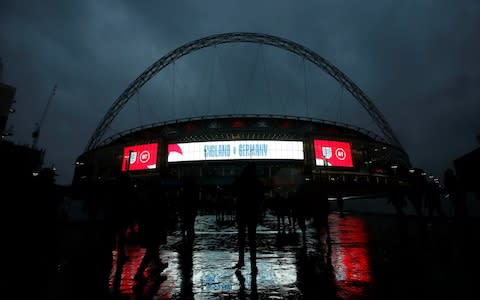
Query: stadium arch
{"x": 242, "y": 37}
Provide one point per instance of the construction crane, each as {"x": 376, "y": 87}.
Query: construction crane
{"x": 38, "y": 125}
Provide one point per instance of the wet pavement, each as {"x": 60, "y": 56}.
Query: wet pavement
{"x": 364, "y": 256}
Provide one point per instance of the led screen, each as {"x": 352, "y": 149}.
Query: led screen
{"x": 140, "y": 157}
{"x": 332, "y": 153}
{"x": 228, "y": 150}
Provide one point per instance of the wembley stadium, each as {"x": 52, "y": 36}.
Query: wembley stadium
{"x": 213, "y": 149}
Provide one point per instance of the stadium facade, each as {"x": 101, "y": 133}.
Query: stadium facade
{"x": 213, "y": 150}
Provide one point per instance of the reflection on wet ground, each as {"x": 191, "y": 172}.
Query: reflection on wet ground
{"x": 287, "y": 269}
{"x": 350, "y": 257}
{"x": 359, "y": 257}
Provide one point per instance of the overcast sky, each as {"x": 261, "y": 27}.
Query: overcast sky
{"x": 418, "y": 61}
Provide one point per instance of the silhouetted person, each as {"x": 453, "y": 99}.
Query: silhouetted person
{"x": 153, "y": 229}
{"x": 312, "y": 203}
{"x": 417, "y": 190}
{"x": 93, "y": 268}
{"x": 340, "y": 203}
{"x": 185, "y": 264}
{"x": 456, "y": 194}
{"x": 188, "y": 209}
{"x": 249, "y": 191}
{"x": 339, "y": 187}
{"x": 302, "y": 207}
{"x": 92, "y": 198}
{"x": 281, "y": 208}
{"x": 320, "y": 207}
{"x": 154, "y": 226}
{"x": 121, "y": 198}
{"x": 397, "y": 198}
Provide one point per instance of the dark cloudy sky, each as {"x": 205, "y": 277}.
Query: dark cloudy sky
{"x": 417, "y": 60}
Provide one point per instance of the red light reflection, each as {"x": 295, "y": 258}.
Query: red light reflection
{"x": 350, "y": 258}
{"x": 128, "y": 271}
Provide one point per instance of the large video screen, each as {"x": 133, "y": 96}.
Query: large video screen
{"x": 140, "y": 157}
{"x": 332, "y": 153}
{"x": 230, "y": 150}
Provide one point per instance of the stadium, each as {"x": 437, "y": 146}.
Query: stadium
{"x": 213, "y": 149}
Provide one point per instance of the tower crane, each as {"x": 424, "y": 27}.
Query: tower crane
{"x": 38, "y": 125}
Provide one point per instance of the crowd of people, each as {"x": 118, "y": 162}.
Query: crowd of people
{"x": 123, "y": 208}
{"x": 426, "y": 196}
